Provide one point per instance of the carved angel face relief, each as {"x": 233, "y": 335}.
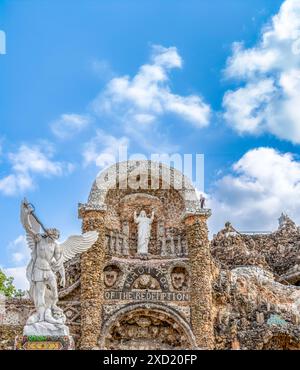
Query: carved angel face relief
{"x": 178, "y": 277}
{"x": 111, "y": 274}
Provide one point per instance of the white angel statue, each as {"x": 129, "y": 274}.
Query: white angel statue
{"x": 47, "y": 258}
{"x": 144, "y": 231}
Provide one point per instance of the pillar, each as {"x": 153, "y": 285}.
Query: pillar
{"x": 92, "y": 282}
{"x": 201, "y": 279}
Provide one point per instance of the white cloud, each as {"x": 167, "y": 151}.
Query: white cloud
{"x": 103, "y": 150}
{"x": 26, "y": 163}
{"x": 34, "y": 159}
{"x": 19, "y": 275}
{"x": 269, "y": 98}
{"x": 19, "y": 250}
{"x": 14, "y": 183}
{"x": 69, "y": 124}
{"x": 247, "y": 106}
{"x": 145, "y": 97}
{"x": 263, "y": 184}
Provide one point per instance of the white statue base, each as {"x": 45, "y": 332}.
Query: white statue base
{"x": 45, "y": 328}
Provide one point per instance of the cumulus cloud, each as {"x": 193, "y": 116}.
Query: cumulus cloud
{"x": 146, "y": 96}
{"x": 103, "y": 149}
{"x": 28, "y": 162}
{"x": 263, "y": 183}
{"x": 269, "y": 97}
{"x": 69, "y": 124}
{"x": 246, "y": 107}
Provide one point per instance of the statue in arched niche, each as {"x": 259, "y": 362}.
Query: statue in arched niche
{"x": 144, "y": 231}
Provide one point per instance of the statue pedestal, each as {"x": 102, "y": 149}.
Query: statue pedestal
{"x": 46, "y": 329}
{"x": 39, "y": 342}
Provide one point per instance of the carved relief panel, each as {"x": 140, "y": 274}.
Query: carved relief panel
{"x": 146, "y": 283}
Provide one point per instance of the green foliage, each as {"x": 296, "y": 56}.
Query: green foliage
{"x": 7, "y": 287}
{"x": 19, "y": 293}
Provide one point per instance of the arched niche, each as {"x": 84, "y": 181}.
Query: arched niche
{"x": 146, "y": 326}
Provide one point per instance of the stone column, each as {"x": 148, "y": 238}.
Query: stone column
{"x": 92, "y": 283}
{"x": 201, "y": 277}
{"x": 125, "y": 230}
{"x": 161, "y": 238}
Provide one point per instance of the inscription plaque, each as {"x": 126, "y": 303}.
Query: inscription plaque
{"x": 145, "y": 296}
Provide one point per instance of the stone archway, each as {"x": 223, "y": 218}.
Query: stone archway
{"x": 147, "y": 327}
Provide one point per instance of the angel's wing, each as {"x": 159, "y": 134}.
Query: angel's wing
{"x": 30, "y": 241}
{"x": 77, "y": 244}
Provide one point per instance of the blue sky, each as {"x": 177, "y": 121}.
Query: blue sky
{"x": 215, "y": 77}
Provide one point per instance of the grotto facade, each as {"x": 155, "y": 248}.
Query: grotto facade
{"x": 164, "y": 285}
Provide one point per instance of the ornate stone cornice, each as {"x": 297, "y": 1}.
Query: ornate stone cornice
{"x": 206, "y": 212}
{"x": 86, "y": 207}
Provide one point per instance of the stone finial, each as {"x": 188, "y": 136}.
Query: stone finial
{"x": 228, "y": 225}
{"x": 229, "y": 230}
{"x": 286, "y": 223}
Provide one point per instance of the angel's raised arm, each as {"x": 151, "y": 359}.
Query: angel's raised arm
{"x": 25, "y": 213}
{"x": 135, "y": 217}
{"x": 31, "y": 226}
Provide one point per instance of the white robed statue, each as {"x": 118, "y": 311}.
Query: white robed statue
{"x": 47, "y": 258}
{"x": 144, "y": 231}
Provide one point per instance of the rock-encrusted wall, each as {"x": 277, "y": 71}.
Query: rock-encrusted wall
{"x": 281, "y": 248}
{"x": 254, "y": 311}
{"x": 13, "y": 315}
{"x": 278, "y": 252}
{"x": 256, "y": 293}
{"x": 8, "y": 334}
{"x": 92, "y": 286}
